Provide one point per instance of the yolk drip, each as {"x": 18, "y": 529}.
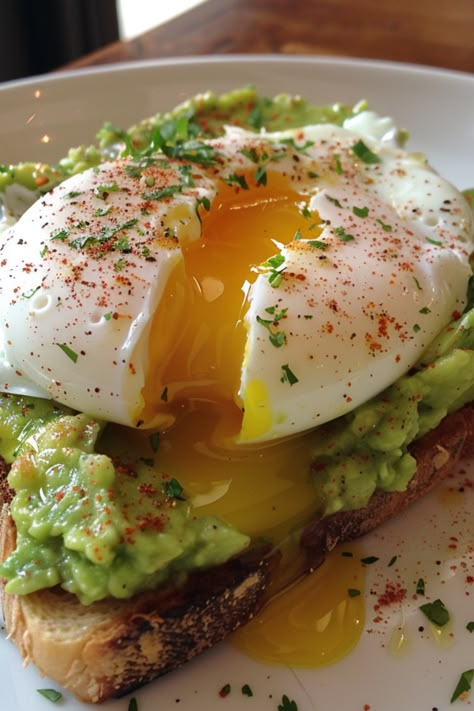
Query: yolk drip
{"x": 261, "y": 490}
{"x": 315, "y": 623}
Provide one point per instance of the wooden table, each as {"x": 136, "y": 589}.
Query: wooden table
{"x": 439, "y": 33}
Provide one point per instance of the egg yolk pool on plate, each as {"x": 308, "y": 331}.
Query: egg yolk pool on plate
{"x": 231, "y": 302}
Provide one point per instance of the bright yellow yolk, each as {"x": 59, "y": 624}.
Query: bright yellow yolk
{"x": 316, "y": 622}
{"x": 261, "y": 490}
{"x": 242, "y": 229}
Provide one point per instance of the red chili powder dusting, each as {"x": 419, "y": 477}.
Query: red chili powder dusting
{"x": 393, "y": 593}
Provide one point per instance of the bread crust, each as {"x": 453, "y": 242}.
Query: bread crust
{"x": 112, "y": 647}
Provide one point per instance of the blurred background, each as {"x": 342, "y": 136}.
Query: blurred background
{"x": 137, "y": 16}
{"x": 37, "y": 36}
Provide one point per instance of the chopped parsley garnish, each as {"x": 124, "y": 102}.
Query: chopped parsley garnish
{"x": 154, "y": 440}
{"x": 342, "y": 234}
{"x": 146, "y": 254}
{"x": 133, "y": 704}
{"x": 186, "y": 172}
{"x": 288, "y": 375}
{"x": 384, "y": 226}
{"x": 425, "y": 310}
{"x": 173, "y": 488}
{"x": 166, "y": 192}
{"x": 436, "y": 612}
{"x": 194, "y": 151}
{"x": 261, "y": 176}
{"x": 68, "y": 351}
{"x": 276, "y": 338}
{"x": 262, "y": 160}
{"x": 291, "y": 142}
{"x": 420, "y": 587}
{"x": 287, "y": 705}
{"x": 251, "y": 154}
{"x": 102, "y": 211}
{"x": 276, "y": 274}
{"x": 353, "y": 592}
{"x": 205, "y": 202}
{"x": 256, "y": 118}
{"x": 360, "y": 211}
{"x": 225, "y": 690}
{"x": 470, "y": 626}
{"x": 337, "y": 164}
{"x": 164, "y": 395}
{"x": 470, "y": 294}
{"x": 334, "y": 201}
{"x": 436, "y": 242}
{"x": 71, "y": 195}
{"x": 93, "y": 242}
{"x": 318, "y": 244}
{"x": 175, "y": 138}
{"x": 61, "y": 235}
{"x": 120, "y": 265}
{"x": 274, "y": 262}
{"x": 275, "y": 279}
{"x": 416, "y": 327}
{"x": 246, "y": 690}
{"x": 236, "y": 179}
{"x": 369, "y": 560}
{"x": 392, "y": 561}
{"x": 464, "y": 684}
{"x": 362, "y": 151}
{"x": 50, "y": 694}
{"x": 31, "y": 293}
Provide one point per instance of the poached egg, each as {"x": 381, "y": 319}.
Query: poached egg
{"x": 287, "y": 277}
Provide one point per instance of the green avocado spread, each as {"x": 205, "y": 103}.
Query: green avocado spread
{"x": 96, "y": 526}
{"x": 101, "y": 523}
{"x": 203, "y": 116}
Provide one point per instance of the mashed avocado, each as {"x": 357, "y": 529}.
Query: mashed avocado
{"x": 96, "y": 526}
{"x": 101, "y": 524}
{"x": 367, "y": 449}
{"x": 203, "y": 116}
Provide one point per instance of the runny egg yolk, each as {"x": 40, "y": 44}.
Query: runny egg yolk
{"x": 261, "y": 490}
{"x": 243, "y": 228}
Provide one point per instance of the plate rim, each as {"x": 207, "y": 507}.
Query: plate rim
{"x": 340, "y": 61}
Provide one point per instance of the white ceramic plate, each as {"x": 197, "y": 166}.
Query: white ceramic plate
{"x": 39, "y": 120}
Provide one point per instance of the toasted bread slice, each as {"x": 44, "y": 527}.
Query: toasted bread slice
{"x": 108, "y": 648}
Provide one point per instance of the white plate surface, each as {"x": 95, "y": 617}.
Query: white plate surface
{"x": 435, "y": 538}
